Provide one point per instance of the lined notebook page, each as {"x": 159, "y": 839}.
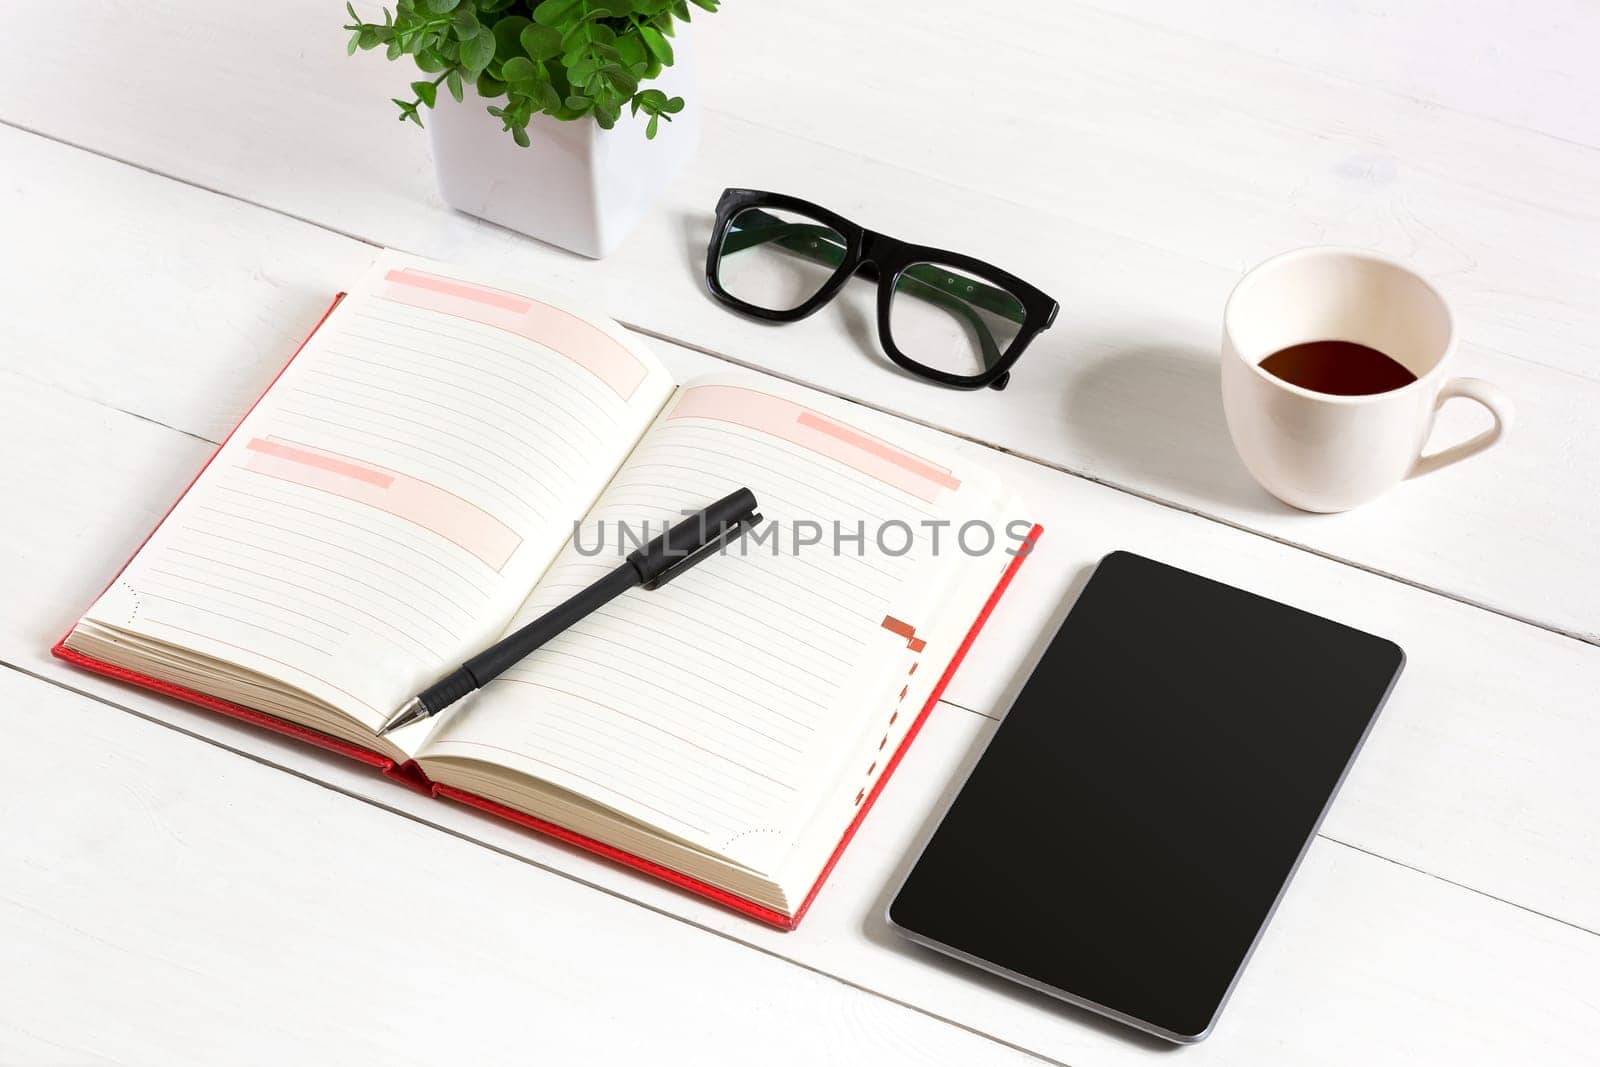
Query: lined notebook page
{"x": 717, "y": 707}
{"x": 391, "y": 500}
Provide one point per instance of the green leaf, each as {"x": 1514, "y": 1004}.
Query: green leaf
{"x": 657, "y": 44}
{"x": 517, "y": 109}
{"x": 477, "y": 51}
{"x": 464, "y": 22}
{"x": 580, "y": 104}
{"x": 582, "y": 71}
{"x": 452, "y": 81}
{"x": 650, "y": 128}
{"x": 426, "y": 91}
{"x": 355, "y": 43}
{"x": 673, "y": 106}
{"x": 506, "y": 32}
{"x": 620, "y": 80}
{"x": 520, "y": 135}
{"x": 488, "y": 87}
{"x": 631, "y": 49}
{"x": 519, "y": 69}
{"x": 430, "y": 62}
{"x": 582, "y": 36}
{"x": 440, "y": 7}
{"x": 541, "y": 42}
{"x": 408, "y": 110}
{"x": 554, "y": 12}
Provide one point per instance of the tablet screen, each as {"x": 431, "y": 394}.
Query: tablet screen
{"x": 1127, "y": 833}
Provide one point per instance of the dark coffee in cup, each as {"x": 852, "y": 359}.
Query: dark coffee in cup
{"x": 1339, "y": 368}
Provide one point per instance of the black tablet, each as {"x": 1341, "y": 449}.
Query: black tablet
{"x": 1128, "y": 832}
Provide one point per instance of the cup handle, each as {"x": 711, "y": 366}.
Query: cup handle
{"x": 1489, "y": 396}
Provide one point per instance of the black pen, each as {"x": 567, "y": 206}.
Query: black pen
{"x": 657, "y": 563}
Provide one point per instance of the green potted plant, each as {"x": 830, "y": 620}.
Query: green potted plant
{"x": 578, "y": 124}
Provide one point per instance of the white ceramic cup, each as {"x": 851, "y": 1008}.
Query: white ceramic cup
{"x": 1322, "y": 452}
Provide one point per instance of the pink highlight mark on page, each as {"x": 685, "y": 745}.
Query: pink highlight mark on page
{"x": 939, "y": 476}
{"x": 802, "y": 426}
{"x": 418, "y": 502}
{"x": 560, "y": 331}
{"x": 320, "y": 460}
{"x": 433, "y": 283}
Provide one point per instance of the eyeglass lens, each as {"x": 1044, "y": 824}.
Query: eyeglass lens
{"x": 777, "y": 259}
{"x": 950, "y": 320}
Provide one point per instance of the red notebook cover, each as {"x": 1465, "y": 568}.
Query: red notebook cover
{"x": 409, "y": 774}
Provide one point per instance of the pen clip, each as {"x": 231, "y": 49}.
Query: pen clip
{"x": 728, "y": 535}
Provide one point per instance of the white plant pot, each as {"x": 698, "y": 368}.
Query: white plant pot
{"x": 576, "y": 185}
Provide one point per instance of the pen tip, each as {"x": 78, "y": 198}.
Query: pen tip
{"x": 413, "y": 710}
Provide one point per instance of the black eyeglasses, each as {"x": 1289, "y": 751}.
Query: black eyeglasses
{"x": 947, "y": 317}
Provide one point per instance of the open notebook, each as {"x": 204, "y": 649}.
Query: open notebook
{"x": 445, "y": 458}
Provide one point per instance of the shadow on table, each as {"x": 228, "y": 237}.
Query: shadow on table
{"x": 876, "y": 926}
{"x": 1147, "y": 417}
{"x": 1150, "y": 417}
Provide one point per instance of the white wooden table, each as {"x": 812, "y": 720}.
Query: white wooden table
{"x": 183, "y": 184}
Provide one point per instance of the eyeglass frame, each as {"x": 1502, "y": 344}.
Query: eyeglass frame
{"x": 884, "y": 259}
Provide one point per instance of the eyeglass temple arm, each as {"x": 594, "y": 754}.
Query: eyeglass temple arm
{"x": 927, "y": 282}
